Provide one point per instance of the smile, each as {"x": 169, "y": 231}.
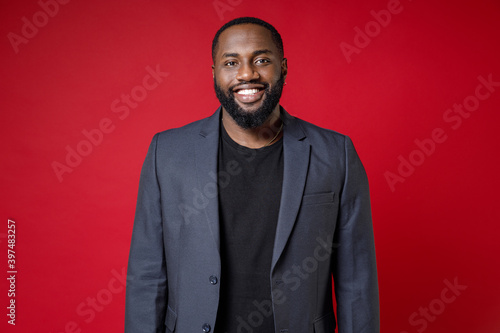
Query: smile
{"x": 247, "y": 91}
{"x": 249, "y": 95}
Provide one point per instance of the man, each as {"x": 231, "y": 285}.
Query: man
{"x": 244, "y": 217}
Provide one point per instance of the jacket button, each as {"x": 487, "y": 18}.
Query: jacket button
{"x": 213, "y": 279}
{"x": 206, "y": 328}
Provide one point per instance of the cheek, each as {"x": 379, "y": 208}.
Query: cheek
{"x": 225, "y": 79}
{"x": 272, "y": 74}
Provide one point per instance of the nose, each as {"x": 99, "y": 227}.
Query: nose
{"x": 247, "y": 72}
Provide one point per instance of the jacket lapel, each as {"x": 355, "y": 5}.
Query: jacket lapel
{"x": 296, "y": 154}
{"x": 206, "y": 150}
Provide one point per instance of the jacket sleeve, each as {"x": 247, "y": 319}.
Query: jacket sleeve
{"x": 354, "y": 267}
{"x": 146, "y": 275}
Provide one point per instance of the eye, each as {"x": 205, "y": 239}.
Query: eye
{"x": 262, "y": 61}
{"x": 230, "y": 63}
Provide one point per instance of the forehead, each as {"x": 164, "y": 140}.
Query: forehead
{"x": 245, "y": 38}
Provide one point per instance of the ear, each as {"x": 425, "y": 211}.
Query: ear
{"x": 213, "y": 71}
{"x": 284, "y": 67}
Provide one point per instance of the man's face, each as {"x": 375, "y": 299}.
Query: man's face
{"x": 248, "y": 74}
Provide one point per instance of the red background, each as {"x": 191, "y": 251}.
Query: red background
{"x": 73, "y": 235}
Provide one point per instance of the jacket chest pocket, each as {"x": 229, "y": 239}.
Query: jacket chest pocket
{"x": 319, "y": 209}
{"x": 318, "y": 199}
{"x": 317, "y": 216}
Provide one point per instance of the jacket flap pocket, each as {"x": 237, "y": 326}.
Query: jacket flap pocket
{"x": 170, "y": 319}
{"x": 325, "y": 324}
{"x": 316, "y": 199}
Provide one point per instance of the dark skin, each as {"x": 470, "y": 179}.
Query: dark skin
{"x": 247, "y": 54}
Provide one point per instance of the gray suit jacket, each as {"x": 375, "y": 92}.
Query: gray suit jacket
{"x": 324, "y": 228}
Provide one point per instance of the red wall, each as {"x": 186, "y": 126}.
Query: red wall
{"x": 410, "y": 89}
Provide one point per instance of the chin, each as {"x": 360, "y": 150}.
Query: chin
{"x": 250, "y": 109}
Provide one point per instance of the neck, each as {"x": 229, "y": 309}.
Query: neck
{"x": 254, "y": 137}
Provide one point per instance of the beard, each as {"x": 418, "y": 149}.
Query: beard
{"x": 250, "y": 119}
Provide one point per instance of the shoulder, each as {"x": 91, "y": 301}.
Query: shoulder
{"x": 189, "y": 132}
{"x": 317, "y": 135}
{"x": 327, "y": 145}
{"x": 181, "y": 132}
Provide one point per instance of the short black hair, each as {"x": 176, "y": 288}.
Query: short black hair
{"x": 249, "y": 20}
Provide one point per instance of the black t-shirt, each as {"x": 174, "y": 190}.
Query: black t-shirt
{"x": 250, "y": 182}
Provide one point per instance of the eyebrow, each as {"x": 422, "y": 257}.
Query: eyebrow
{"x": 254, "y": 53}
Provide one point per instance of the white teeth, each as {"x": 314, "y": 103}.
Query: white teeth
{"x": 247, "y": 91}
